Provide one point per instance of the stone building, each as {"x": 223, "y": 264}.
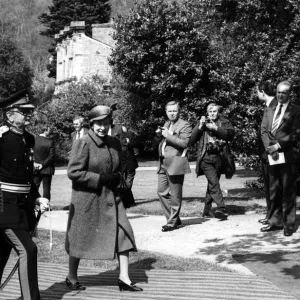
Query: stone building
{"x": 81, "y": 56}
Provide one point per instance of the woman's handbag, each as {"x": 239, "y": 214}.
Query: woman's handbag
{"x": 126, "y": 194}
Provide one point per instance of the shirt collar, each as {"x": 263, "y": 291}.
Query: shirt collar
{"x": 284, "y": 105}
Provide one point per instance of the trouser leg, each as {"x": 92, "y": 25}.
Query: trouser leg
{"x": 47, "y": 179}
{"x": 289, "y": 188}
{"x": 275, "y": 214}
{"x": 176, "y": 183}
{"x": 5, "y": 250}
{"x": 163, "y": 192}
{"x": 22, "y": 243}
{"x": 211, "y": 167}
{"x": 265, "y": 174}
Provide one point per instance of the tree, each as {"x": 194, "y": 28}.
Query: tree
{"x": 75, "y": 98}
{"x": 161, "y": 52}
{"x": 212, "y": 50}
{"x": 253, "y": 41}
{"x": 15, "y": 73}
{"x": 62, "y": 12}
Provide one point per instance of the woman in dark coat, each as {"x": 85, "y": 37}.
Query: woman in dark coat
{"x": 98, "y": 227}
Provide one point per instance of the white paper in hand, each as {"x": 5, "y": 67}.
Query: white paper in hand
{"x": 280, "y": 160}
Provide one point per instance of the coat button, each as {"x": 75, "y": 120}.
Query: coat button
{"x": 110, "y": 204}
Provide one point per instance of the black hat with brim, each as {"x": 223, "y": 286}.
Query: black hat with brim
{"x": 99, "y": 112}
{"x": 19, "y": 99}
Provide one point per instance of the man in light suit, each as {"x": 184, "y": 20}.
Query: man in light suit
{"x": 80, "y": 130}
{"x": 265, "y": 93}
{"x": 174, "y": 139}
{"x": 44, "y": 154}
{"x": 280, "y": 131}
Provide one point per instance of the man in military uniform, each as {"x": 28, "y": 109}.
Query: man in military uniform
{"x": 18, "y": 193}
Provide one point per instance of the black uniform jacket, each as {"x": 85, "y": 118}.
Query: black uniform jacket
{"x": 16, "y": 167}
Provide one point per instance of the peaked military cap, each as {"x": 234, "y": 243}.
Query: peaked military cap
{"x": 19, "y": 99}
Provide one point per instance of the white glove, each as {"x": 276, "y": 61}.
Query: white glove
{"x": 43, "y": 204}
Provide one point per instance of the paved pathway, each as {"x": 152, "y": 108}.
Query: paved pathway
{"x": 212, "y": 240}
{"x": 157, "y": 285}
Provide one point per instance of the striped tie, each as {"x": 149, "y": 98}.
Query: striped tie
{"x": 276, "y": 120}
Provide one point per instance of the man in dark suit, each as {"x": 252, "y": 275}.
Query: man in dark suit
{"x": 44, "y": 154}
{"x": 265, "y": 93}
{"x": 131, "y": 163}
{"x": 212, "y": 133}
{"x": 280, "y": 131}
{"x": 174, "y": 139}
{"x": 80, "y": 130}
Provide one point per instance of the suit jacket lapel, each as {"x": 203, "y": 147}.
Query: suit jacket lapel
{"x": 271, "y": 113}
{"x": 286, "y": 115}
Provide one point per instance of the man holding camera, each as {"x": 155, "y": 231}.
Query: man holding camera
{"x": 174, "y": 138}
{"x": 212, "y": 133}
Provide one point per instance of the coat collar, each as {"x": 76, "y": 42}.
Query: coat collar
{"x": 284, "y": 118}
{"x": 286, "y": 114}
{"x": 175, "y": 125}
{"x": 97, "y": 140}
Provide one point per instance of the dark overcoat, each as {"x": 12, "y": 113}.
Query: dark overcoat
{"x": 96, "y": 210}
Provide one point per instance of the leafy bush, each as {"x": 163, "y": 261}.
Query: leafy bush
{"x": 15, "y": 73}
{"x": 201, "y": 51}
{"x": 74, "y": 98}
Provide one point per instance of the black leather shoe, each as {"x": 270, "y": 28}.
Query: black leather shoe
{"x": 221, "y": 213}
{"x": 287, "y": 232}
{"x": 270, "y": 228}
{"x": 208, "y": 214}
{"x": 263, "y": 221}
{"x": 166, "y": 228}
{"x": 75, "y": 286}
{"x": 126, "y": 287}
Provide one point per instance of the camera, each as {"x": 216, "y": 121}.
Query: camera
{"x": 215, "y": 147}
{"x": 207, "y": 120}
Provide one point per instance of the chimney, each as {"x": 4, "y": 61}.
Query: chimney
{"x": 104, "y": 33}
{"x": 77, "y": 26}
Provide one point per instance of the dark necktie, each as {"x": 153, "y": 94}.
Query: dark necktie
{"x": 276, "y": 120}
{"x": 78, "y": 135}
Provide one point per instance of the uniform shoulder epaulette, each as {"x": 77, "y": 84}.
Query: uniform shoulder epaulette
{"x": 3, "y": 129}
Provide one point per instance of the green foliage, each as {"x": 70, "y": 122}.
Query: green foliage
{"x": 200, "y": 51}
{"x": 15, "y": 73}
{"x": 161, "y": 51}
{"x": 76, "y": 98}
{"x": 253, "y": 41}
{"x": 63, "y": 12}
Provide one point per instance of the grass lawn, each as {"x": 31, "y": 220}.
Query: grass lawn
{"x": 141, "y": 260}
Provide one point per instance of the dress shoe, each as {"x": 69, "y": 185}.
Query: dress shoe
{"x": 75, "y": 286}
{"x": 208, "y": 214}
{"x": 126, "y": 287}
{"x": 166, "y": 228}
{"x": 270, "y": 228}
{"x": 263, "y": 221}
{"x": 221, "y": 213}
{"x": 287, "y": 232}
